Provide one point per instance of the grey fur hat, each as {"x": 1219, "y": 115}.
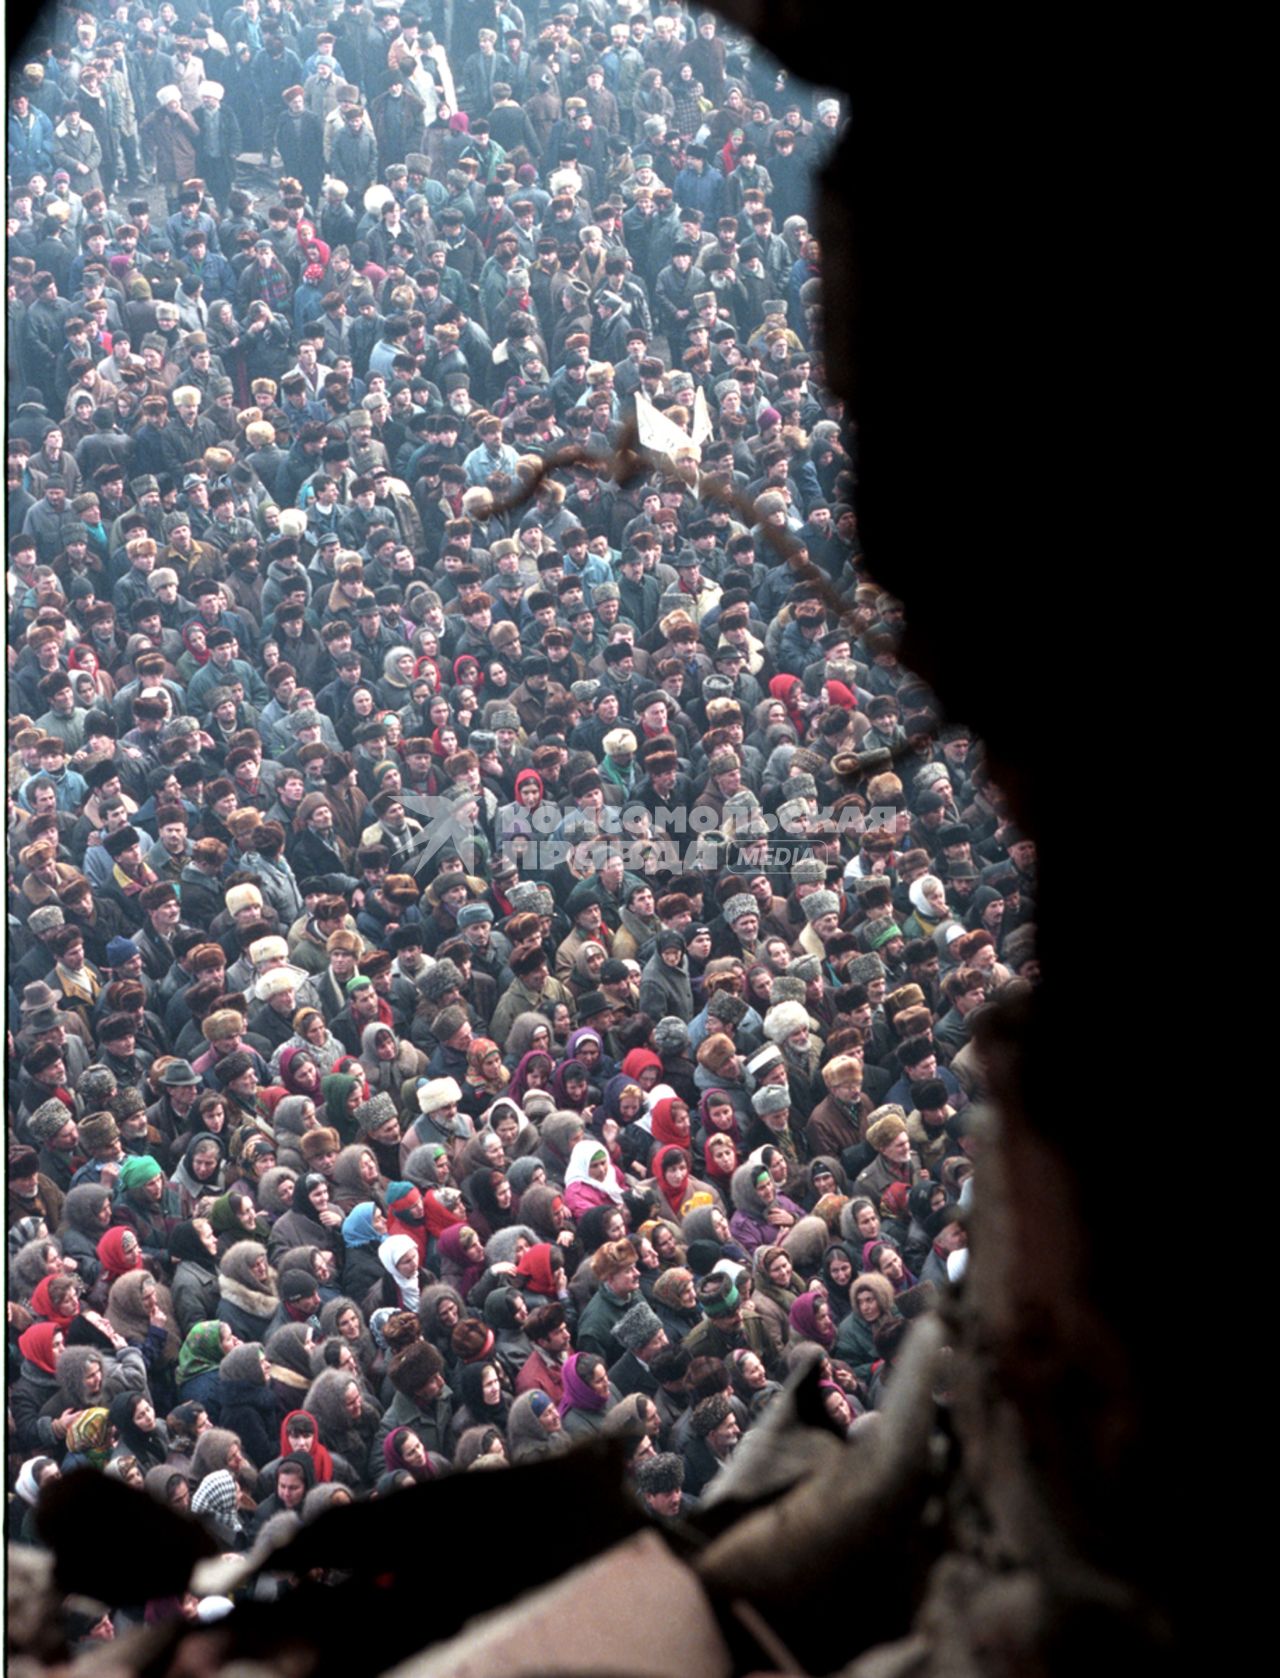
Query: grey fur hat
{"x": 443, "y": 977}
{"x": 741, "y": 903}
{"x": 97, "y": 1086}
{"x": 728, "y": 1009}
{"x": 807, "y": 968}
{"x": 670, "y": 1035}
{"x": 820, "y": 903}
{"x": 377, "y": 1110}
{"x": 864, "y": 970}
{"x": 808, "y": 869}
{"x": 773, "y": 1098}
{"x": 637, "y": 1326}
{"x": 787, "y": 988}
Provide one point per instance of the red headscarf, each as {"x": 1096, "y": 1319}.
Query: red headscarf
{"x": 674, "y": 1197}
{"x": 439, "y": 1217}
{"x": 321, "y": 1461}
{"x": 397, "y": 1225}
{"x": 663, "y": 1127}
{"x": 635, "y": 1061}
{"x": 530, "y": 775}
{"x": 782, "y": 688}
{"x": 36, "y": 1345}
{"x": 534, "y": 1264}
{"x": 839, "y": 694}
{"x": 111, "y": 1255}
{"x": 42, "y": 1304}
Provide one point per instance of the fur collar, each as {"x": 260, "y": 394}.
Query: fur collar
{"x": 248, "y": 1299}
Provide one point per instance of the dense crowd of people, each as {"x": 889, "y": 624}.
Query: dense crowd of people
{"x": 493, "y": 937}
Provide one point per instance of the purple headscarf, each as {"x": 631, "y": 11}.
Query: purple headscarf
{"x": 577, "y": 1394}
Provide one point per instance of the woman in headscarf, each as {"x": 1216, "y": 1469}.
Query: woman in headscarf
{"x": 246, "y": 1403}
{"x": 348, "y": 1421}
{"x": 441, "y": 1310}
{"x": 588, "y": 1394}
{"x": 312, "y": 1221}
{"x": 534, "y": 1428}
{"x": 675, "y": 1183}
{"x": 356, "y": 1178}
{"x": 311, "y": 1041}
{"x": 247, "y": 1294}
{"x": 665, "y": 985}
{"x": 485, "y": 1403}
{"x": 300, "y": 1437}
{"x": 592, "y": 1179}
{"x": 839, "y": 1269}
{"x": 199, "y": 1360}
{"x": 299, "y": 1068}
{"x": 293, "y": 1117}
{"x": 532, "y": 1073}
{"x": 398, "y": 1256}
{"x": 168, "y": 1486}
{"x": 542, "y": 1270}
{"x": 141, "y": 1310}
{"x": 55, "y": 1299}
{"x": 880, "y": 1256}
{"x": 513, "y": 1128}
{"x": 761, "y": 1213}
{"x": 341, "y": 1319}
{"x": 33, "y": 1477}
{"x": 234, "y": 1217}
{"x": 721, "y": 1162}
{"x": 675, "y": 1302}
{"x": 216, "y": 1505}
{"x": 584, "y": 974}
{"x": 462, "y": 1260}
{"x": 342, "y": 1095}
{"x": 489, "y": 1201}
{"x": 89, "y": 1441}
{"x": 403, "y": 1451}
{"x": 528, "y": 1031}
{"x": 571, "y": 1087}
{"x": 363, "y": 1229}
{"x": 485, "y": 1079}
{"x": 388, "y": 1061}
{"x": 86, "y": 1215}
{"x": 30, "y": 1395}
{"x": 199, "y": 1173}
{"x": 810, "y": 1319}
{"x": 873, "y": 1303}
{"x": 140, "y": 1432}
{"x": 118, "y": 1252}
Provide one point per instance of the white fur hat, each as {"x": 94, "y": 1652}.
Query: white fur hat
{"x": 435, "y": 1093}
{"x": 275, "y": 983}
{"x": 245, "y": 896}
{"x": 787, "y": 1017}
{"x": 268, "y": 949}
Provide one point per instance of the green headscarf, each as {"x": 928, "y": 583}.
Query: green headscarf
{"x": 201, "y": 1351}
{"x": 336, "y": 1088}
{"x": 136, "y": 1170}
{"x": 89, "y": 1435}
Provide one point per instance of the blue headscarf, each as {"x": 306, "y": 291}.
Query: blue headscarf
{"x": 357, "y": 1226}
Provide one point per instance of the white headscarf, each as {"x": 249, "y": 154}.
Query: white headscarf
{"x": 580, "y": 1168}
{"x": 390, "y": 1252}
